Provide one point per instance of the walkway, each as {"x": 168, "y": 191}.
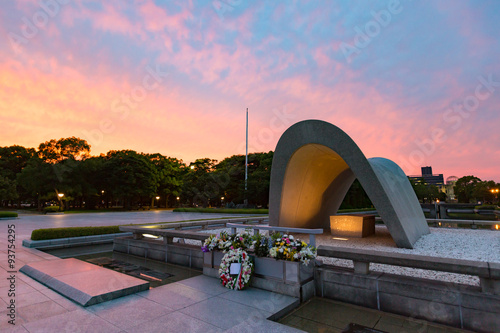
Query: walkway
{"x": 192, "y": 305}
{"x": 198, "y": 304}
{"x": 195, "y": 304}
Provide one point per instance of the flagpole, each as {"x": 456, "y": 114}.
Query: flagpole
{"x": 246, "y": 162}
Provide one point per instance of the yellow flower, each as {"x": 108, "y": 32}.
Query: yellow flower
{"x": 282, "y": 243}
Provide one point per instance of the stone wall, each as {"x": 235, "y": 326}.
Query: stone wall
{"x": 176, "y": 253}
{"x": 441, "y": 302}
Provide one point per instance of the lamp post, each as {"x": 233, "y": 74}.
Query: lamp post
{"x": 157, "y": 202}
{"x": 222, "y": 201}
{"x": 495, "y": 192}
{"x": 60, "y": 195}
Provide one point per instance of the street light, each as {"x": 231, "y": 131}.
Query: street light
{"x": 222, "y": 201}
{"x": 495, "y": 192}
{"x": 60, "y": 195}
{"x": 158, "y": 201}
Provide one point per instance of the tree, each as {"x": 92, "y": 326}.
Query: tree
{"x": 65, "y": 148}
{"x": 38, "y": 181}
{"x": 130, "y": 176}
{"x": 13, "y": 159}
{"x": 7, "y": 189}
{"x": 465, "y": 188}
{"x": 170, "y": 176}
{"x": 356, "y": 197}
{"x": 425, "y": 191}
{"x": 200, "y": 185}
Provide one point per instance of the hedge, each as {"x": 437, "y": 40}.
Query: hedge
{"x": 50, "y": 209}
{"x": 8, "y": 214}
{"x": 486, "y": 207}
{"x": 53, "y": 233}
{"x": 224, "y": 210}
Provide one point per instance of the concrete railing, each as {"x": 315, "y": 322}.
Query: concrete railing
{"x": 169, "y": 231}
{"x": 472, "y": 223}
{"x": 311, "y": 232}
{"x": 488, "y": 272}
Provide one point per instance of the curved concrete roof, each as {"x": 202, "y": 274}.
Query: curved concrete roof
{"x": 314, "y": 166}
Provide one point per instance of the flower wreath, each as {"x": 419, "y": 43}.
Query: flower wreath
{"x": 240, "y": 280}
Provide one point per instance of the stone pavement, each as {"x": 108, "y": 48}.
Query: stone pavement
{"x": 198, "y": 304}
{"x": 192, "y": 305}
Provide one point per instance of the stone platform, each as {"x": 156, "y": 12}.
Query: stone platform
{"x": 82, "y": 282}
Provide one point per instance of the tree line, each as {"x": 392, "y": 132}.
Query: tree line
{"x": 126, "y": 178}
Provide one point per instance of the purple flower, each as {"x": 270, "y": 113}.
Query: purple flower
{"x": 205, "y": 248}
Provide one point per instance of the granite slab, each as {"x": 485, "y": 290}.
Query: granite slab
{"x": 82, "y": 282}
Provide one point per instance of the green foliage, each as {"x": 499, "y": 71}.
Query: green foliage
{"x": 50, "y": 209}
{"x": 486, "y": 207}
{"x": 355, "y": 210}
{"x": 472, "y": 216}
{"x": 130, "y": 176}
{"x": 206, "y": 182}
{"x": 356, "y": 197}
{"x": 7, "y": 189}
{"x": 262, "y": 245}
{"x": 224, "y": 210}
{"x": 470, "y": 189}
{"x": 8, "y": 214}
{"x": 426, "y": 192}
{"x": 65, "y": 148}
{"x": 54, "y": 233}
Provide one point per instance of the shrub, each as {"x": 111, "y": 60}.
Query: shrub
{"x": 50, "y": 209}
{"x": 8, "y": 214}
{"x": 224, "y": 210}
{"x": 486, "y": 207}
{"x": 53, "y": 233}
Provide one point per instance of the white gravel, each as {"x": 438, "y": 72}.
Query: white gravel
{"x": 477, "y": 245}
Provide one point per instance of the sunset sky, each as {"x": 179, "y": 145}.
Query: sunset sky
{"x": 417, "y": 82}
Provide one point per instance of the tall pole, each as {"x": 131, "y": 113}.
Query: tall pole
{"x": 246, "y": 161}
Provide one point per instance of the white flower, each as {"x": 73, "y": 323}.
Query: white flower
{"x": 305, "y": 261}
{"x": 291, "y": 237}
{"x": 281, "y": 250}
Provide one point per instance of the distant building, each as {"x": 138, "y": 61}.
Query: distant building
{"x": 449, "y": 188}
{"x": 429, "y": 178}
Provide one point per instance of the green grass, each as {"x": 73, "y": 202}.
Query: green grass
{"x": 355, "y": 210}
{"x": 471, "y": 216}
{"x": 8, "y": 214}
{"x": 85, "y": 211}
{"x": 54, "y": 233}
{"x": 250, "y": 210}
{"x": 223, "y": 210}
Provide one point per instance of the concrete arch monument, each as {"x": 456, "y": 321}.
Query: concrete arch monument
{"x": 313, "y": 167}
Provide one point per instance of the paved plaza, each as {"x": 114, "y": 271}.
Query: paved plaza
{"x": 197, "y": 304}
